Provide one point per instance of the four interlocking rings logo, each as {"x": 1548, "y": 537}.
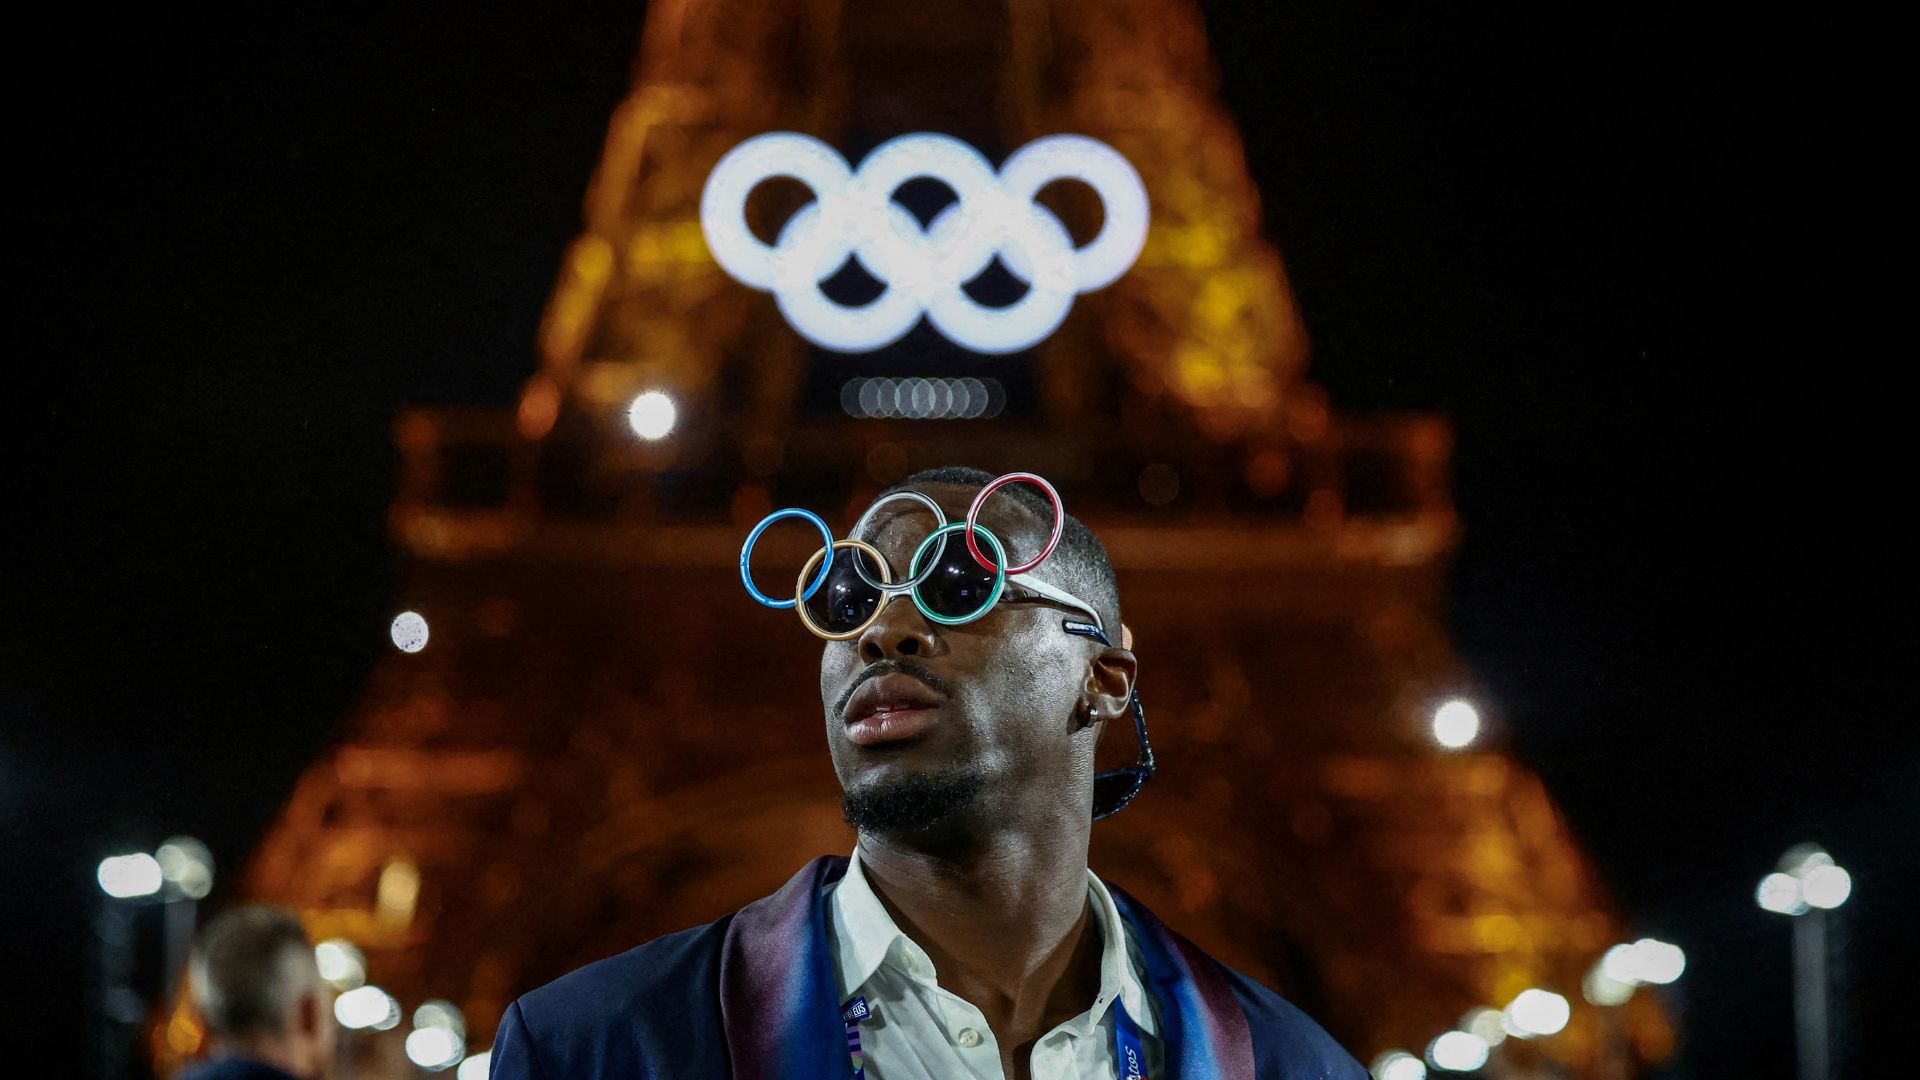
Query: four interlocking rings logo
{"x": 854, "y": 214}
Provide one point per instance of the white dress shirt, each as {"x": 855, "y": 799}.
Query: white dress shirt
{"x": 919, "y": 1031}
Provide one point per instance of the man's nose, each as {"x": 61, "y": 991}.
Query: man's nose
{"x": 899, "y": 630}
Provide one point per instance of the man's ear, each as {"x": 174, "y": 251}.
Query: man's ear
{"x": 309, "y": 1015}
{"x": 1109, "y": 683}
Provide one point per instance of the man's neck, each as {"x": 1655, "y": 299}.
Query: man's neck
{"x": 1006, "y": 925}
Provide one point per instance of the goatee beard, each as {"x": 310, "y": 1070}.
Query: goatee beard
{"x": 910, "y": 804}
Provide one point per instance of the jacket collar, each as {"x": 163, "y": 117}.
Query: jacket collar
{"x": 782, "y": 1022}
{"x": 776, "y": 983}
{"x": 1206, "y": 1030}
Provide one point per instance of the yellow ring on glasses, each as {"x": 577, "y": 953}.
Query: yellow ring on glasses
{"x": 886, "y": 575}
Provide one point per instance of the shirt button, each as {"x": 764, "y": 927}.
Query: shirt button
{"x": 969, "y": 1038}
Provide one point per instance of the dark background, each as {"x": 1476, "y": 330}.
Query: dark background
{"x": 1644, "y": 257}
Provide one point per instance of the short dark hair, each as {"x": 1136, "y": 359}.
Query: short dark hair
{"x": 1079, "y": 565}
{"x": 249, "y": 967}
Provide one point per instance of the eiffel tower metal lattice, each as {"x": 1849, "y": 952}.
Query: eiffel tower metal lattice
{"x": 538, "y": 788}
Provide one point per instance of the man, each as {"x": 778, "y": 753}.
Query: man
{"x": 965, "y": 938}
{"x": 255, "y": 984}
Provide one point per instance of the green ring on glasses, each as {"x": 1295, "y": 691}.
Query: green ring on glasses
{"x": 999, "y": 577}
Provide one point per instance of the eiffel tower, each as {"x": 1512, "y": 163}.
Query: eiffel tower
{"x": 536, "y": 788}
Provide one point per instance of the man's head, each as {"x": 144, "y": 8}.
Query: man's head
{"x": 257, "y": 987}
{"x": 996, "y": 719}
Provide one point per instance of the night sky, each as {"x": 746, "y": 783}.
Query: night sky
{"x": 1644, "y": 258}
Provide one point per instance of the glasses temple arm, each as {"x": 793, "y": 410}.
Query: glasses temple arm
{"x": 1062, "y": 597}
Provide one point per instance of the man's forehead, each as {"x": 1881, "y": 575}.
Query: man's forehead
{"x": 1008, "y": 517}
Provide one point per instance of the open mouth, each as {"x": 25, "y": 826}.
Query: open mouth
{"x": 891, "y": 708}
{"x": 890, "y": 725}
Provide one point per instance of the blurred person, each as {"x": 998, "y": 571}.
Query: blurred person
{"x": 257, "y": 988}
{"x": 965, "y": 937}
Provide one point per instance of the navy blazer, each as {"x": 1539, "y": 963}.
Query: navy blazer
{"x": 752, "y": 996}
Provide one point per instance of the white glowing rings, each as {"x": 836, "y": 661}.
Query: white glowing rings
{"x": 912, "y": 582}
{"x": 746, "y": 553}
{"x": 854, "y": 214}
{"x": 1053, "y": 540}
{"x": 922, "y": 398}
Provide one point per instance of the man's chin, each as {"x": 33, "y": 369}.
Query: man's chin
{"x": 910, "y": 803}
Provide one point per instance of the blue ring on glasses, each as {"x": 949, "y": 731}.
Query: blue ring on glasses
{"x": 746, "y": 553}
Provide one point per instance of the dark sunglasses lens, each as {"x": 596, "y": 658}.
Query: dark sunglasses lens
{"x": 959, "y": 585}
{"x": 845, "y": 602}
{"x": 1113, "y": 790}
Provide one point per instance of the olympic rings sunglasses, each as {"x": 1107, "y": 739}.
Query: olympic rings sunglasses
{"x": 843, "y": 587}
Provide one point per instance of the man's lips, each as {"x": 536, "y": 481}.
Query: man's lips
{"x": 890, "y": 708}
{"x": 890, "y": 726}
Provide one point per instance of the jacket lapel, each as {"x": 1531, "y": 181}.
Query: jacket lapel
{"x": 1206, "y": 1033}
{"x": 777, "y": 986}
{"x": 782, "y": 1022}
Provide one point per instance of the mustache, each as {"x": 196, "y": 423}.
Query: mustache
{"x": 894, "y": 667}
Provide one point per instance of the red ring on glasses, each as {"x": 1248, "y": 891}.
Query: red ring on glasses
{"x": 973, "y": 518}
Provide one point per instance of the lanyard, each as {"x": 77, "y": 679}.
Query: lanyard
{"x": 1129, "y": 1056}
{"x": 854, "y": 1011}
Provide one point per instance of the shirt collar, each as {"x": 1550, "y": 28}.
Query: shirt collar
{"x": 1120, "y": 962}
{"x": 865, "y": 938}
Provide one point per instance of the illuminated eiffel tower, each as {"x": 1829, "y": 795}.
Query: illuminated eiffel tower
{"x": 537, "y": 789}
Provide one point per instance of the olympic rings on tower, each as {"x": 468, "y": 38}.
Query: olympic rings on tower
{"x": 854, "y": 214}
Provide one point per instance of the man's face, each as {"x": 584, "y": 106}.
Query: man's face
{"x": 951, "y": 724}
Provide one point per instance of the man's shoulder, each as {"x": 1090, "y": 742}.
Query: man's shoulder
{"x": 1284, "y": 1038}
{"x": 648, "y": 1012}
{"x": 1286, "y": 1041}
{"x": 655, "y": 1010}
{"x": 630, "y": 986}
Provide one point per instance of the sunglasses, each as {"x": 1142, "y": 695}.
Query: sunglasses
{"x": 846, "y": 584}
{"x": 946, "y": 583}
